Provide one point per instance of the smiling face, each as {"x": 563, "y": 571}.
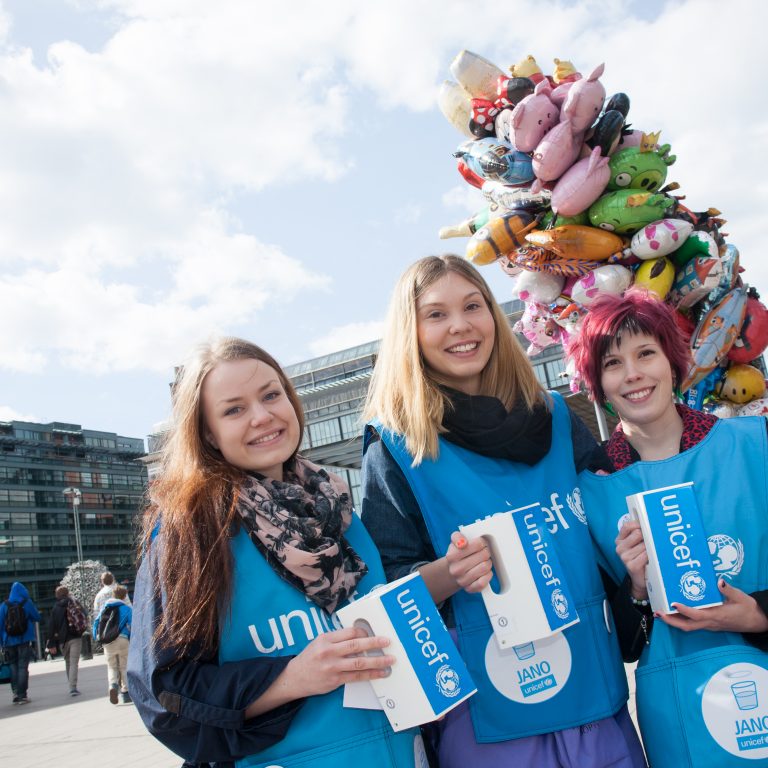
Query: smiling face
{"x": 248, "y": 416}
{"x": 637, "y": 380}
{"x": 456, "y": 332}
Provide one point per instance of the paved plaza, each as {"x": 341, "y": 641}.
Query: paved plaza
{"x": 56, "y": 730}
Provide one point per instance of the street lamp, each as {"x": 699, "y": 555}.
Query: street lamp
{"x": 77, "y": 497}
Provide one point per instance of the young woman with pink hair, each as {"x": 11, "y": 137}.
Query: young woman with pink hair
{"x": 631, "y": 354}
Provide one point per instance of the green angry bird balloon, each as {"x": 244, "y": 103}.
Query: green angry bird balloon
{"x": 628, "y": 210}
{"x": 640, "y": 169}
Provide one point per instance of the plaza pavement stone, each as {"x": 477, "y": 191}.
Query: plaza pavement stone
{"x": 55, "y": 729}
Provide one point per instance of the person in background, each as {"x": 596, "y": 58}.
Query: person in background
{"x": 18, "y": 616}
{"x": 108, "y": 583}
{"x": 116, "y": 650}
{"x": 248, "y": 550}
{"x": 460, "y": 428}
{"x": 65, "y": 634}
{"x": 631, "y": 354}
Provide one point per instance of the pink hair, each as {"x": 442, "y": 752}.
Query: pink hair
{"x": 611, "y": 316}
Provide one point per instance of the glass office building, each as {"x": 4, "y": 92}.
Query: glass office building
{"x": 37, "y": 529}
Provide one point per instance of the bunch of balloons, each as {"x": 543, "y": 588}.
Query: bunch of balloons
{"x": 578, "y": 206}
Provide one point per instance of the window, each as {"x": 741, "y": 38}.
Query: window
{"x": 554, "y": 369}
{"x": 351, "y": 425}
{"x": 17, "y": 498}
{"x": 324, "y": 432}
{"x": 541, "y": 374}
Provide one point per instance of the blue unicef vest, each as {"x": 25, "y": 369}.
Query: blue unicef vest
{"x": 702, "y": 697}
{"x": 580, "y": 668}
{"x": 269, "y": 617}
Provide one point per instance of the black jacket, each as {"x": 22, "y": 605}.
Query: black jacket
{"x": 58, "y": 629}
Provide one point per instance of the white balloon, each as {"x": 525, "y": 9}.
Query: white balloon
{"x": 660, "y": 238}
{"x": 755, "y": 408}
{"x": 454, "y": 103}
{"x": 610, "y": 279}
{"x": 476, "y": 75}
{"x": 540, "y": 287}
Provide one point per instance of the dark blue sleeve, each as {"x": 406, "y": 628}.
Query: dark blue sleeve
{"x": 391, "y": 514}
{"x": 584, "y": 444}
{"x": 196, "y": 707}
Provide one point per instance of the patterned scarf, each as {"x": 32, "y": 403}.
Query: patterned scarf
{"x": 298, "y": 525}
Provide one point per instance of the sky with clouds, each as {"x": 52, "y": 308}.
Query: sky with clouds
{"x": 176, "y": 169}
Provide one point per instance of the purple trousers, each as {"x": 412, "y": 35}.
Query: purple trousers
{"x": 608, "y": 743}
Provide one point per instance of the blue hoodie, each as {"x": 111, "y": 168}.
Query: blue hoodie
{"x": 18, "y": 594}
{"x": 126, "y": 616}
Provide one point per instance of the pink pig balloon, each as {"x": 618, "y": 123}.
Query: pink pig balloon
{"x": 538, "y": 327}
{"x": 560, "y": 94}
{"x": 585, "y": 100}
{"x": 581, "y": 184}
{"x": 556, "y": 153}
{"x": 532, "y": 118}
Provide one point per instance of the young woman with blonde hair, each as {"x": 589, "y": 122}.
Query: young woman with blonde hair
{"x": 236, "y": 655}
{"x": 460, "y": 428}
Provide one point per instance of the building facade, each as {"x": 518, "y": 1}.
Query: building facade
{"x": 37, "y": 526}
{"x": 333, "y": 387}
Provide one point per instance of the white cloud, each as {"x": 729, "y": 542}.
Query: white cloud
{"x": 11, "y": 414}
{"x": 116, "y": 242}
{"x": 217, "y": 279}
{"x": 466, "y": 197}
{"x": 345, "y": 336}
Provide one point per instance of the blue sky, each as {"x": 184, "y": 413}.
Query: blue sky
{"x": 175, "y": 169}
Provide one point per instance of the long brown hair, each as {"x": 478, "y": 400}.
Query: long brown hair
{"x": 405, "y": 394}
{"x": 192, "y": 503}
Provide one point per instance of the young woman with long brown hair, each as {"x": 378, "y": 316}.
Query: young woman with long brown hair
{"x": 248, "y": 549}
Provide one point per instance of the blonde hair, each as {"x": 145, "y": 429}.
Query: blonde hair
{"x": 192, "y": 501}
{"x": 405, "y": 395}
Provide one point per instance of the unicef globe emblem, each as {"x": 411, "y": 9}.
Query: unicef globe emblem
{"x": 560, "y": 604}
{"x": 576, "y": 505}
{"x": 693, "y": 586}
{"x": 727, "y": 554}
{"x": 448, "y": 681}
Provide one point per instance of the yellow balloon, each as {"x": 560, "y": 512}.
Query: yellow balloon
{"x": 657, "y": 275}
{"x": 742, "y": 384}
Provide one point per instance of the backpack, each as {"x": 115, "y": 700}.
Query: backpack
{"x": 76, "y": 619}
{"x": 16, "y": 620}
{"x": 108, "y": 628}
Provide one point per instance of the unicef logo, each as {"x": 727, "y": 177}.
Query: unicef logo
{"x": 560, "y": 604}
{"x": 576, "y": 505}
{"x": 448, "y": 681}
{"x": 727, "y": 554}
{"x": 625, "y": 518}
{"x": 693, "y": 586}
